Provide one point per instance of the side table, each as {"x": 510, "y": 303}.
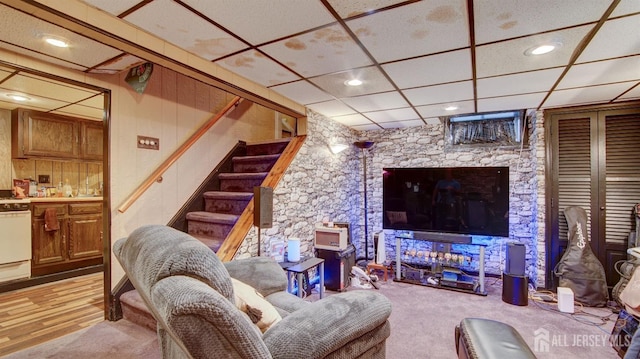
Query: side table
{"x": 299, "y": 270}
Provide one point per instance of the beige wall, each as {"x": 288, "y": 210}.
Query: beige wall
{"x": 171, "y": 108}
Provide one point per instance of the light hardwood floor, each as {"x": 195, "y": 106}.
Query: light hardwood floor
{"x": 38, "y": 314}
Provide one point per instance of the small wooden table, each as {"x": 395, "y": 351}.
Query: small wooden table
{"x": 375, "y": 266}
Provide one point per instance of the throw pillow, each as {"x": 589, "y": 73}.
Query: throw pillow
{"x": 260, "y": 311}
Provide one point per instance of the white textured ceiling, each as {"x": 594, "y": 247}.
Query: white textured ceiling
{"x": 414, "y": 57}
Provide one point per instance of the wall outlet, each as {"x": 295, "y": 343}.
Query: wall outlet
{"x": 43, "y": 178}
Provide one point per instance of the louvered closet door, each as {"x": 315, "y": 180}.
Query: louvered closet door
{"x": 573, "y": 138}
{"x": 620, "y": 186}
{"x": 595, "y": 164}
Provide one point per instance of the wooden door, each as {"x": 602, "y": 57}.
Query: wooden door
{"x": 48, "y": 247}
{"x": 595, "y": 164}
{"x": 92, "y": 140}
{"x": 46, "y": 135}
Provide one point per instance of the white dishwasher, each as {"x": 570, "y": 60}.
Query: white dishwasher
{"x": 15, "y": 239}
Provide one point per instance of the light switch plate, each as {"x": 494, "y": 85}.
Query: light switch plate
{"x": 149, "y": 143}
{"x": 43, "y": 178}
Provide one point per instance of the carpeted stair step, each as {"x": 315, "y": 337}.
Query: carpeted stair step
{"x": 226, "y": 202}
{"x": 247, "y": 164}
{"x": 211, "y": 242}
{"x": 135, "y": 310}
{"x": 267, "y": 148}
{"x": 212, "y": 225}
{"x": 240, "y": 182}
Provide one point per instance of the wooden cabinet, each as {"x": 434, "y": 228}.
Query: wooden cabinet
{"x": 78, "y": 242}
{"x": 36, "y": 134}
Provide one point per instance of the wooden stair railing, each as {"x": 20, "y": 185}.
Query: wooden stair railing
{"x": 239, "y": 231}
{"x": 157, "y": 174}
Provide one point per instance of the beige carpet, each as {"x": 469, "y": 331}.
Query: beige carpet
{"x": 422, "y": 326}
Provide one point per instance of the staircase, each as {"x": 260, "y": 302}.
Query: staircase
{"x": 222, "y": 208}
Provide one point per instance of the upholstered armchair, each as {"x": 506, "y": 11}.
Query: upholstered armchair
{"x": 196, "y": 303}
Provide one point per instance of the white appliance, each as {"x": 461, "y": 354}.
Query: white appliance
{"x": 331, "y": 238}
{"x": 15, "y": 239}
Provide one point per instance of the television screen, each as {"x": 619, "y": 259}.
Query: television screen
{"x": 459, "y": 200}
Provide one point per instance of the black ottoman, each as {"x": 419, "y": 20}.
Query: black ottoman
{"x": 488, "y": 339}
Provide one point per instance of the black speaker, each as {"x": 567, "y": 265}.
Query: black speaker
{"x": 263, "y": 207}
{"x": 515, "y": 289}
{"x": 515, "y": 259}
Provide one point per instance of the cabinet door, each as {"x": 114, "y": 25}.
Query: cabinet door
{"x": 92, "y": 140}
{"x": 45, "y": 135}
{"x": 85, "y": 236}
{"x": 48, "y": 247}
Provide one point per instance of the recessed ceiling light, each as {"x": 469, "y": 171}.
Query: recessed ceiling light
{"x": 16, "y": 97}
{"x": 451, "y": 108}
{"x": 354, "y": 82}
{"x": 542, "y": 49}
{"x": 56, "y": 41}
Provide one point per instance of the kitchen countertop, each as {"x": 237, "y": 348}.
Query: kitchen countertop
{"x": 64, "y": 199}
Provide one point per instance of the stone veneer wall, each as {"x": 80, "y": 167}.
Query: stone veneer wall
{"x": 424, "y": 147}
{"x": 317, "y": 185}
{"x": 320, "y": 185}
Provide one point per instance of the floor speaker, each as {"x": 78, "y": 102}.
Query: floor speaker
{"x": 515, "y": 289}
{"x": 515, "y": 259}
{"x": 263, "y": 207}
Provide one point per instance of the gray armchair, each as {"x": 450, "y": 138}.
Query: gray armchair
{"x": 189, "y": 292}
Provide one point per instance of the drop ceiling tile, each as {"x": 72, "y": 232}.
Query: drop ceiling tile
{"x": 28, "y": 33}
{"x": 499, "y": 20}
{"x": 508, "y": 57}
{"x": 402, "y": 124}
{"x": 420, "y": 28}
{"x": 430, "y": 70}
{"x": 632, "y": 94}
{"x": 90, "y": 113}
{"x": 440, "y": 94}
{"x": 587, "y": 95}
{"x": 371, "y": 127}
{"x": 376, "y": 102}
{"x": 506, "y": 103}
{"x": 626, "y": 7}
{"x": 533, "y": 81}
{"x": 174, "y": 23}
{"x": 614, "y": 36}
{"x": 401, "y": 114}
{"x": 348, "y": 9}
{"x": 373, "y": 81}
{"x": 350, "y": 120}
{"x": 114, "y": 7}
{"x": 602, "y": 72}
{"x": 332, "y": 108}
{"x": 272, "y": 19}
{"x": 38, "y": 87}
{"x": 254, "y": 65}
{"x": 430, "y": 111}
{"x": 35, "y": 102}
{"x": 302, "y": 92}
{"x": 323, "y": 51}
{"x": 118, "y": 64}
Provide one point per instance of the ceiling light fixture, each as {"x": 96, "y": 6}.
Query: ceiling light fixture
{"x": 451, "y": 108}
{"x": 56, "y": 41}
{"x": 542, "y": 49}
{"x": 16, "y": 97}
{"x": 353, "y": 82}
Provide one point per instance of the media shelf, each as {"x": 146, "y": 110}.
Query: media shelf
{"x": 439, "y": 272}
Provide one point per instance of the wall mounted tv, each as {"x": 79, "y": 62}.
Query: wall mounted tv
{"x": 447, "y": 200}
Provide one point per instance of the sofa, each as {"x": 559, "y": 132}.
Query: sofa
{"x": 194, "y": 298}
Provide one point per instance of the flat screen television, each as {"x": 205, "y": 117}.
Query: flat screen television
{"x": 447, "y": 200}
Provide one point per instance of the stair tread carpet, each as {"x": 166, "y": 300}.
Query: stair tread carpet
{"x": 135, "y": 310}
{"x": 211, "y": 242}
{"x": 246, "y": 175}
{"x": 256, "y": 158}
{"x": 238, "y": 196}
{"x": 221, "y": 218}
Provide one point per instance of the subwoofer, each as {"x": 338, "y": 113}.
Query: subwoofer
{"x": 515, "y": 259}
